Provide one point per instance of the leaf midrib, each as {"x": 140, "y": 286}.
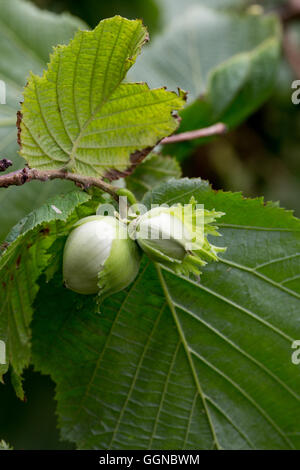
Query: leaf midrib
{"x": 145, "y": 349}
{"x": 235, "y": 305}
{"x": 101, "y": 104}
{"x": 188, "y": 354}
{"x": 239, "y": 349}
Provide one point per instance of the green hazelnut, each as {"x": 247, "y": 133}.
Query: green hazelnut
{"x": 177, "y": 236}
{"x": 99, "y": 257}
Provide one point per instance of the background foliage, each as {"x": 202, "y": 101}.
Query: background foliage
{"x": 259, "y": 157}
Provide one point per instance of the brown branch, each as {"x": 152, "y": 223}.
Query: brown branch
{"x": 292, "y": 54}
{"x": 20, "y": 177}
{"x": 287, "y": 14}
{"x": 290, "y": 11}
{"x": 216, "y": 129}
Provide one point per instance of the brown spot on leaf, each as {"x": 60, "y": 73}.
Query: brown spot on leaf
{"x": 136, "y": 158}
{"x": 18, "y": 262}
{"x": 19, "y": 120}
{"x": 45, "y": 231}
{"x": 115, "y": 174}
{"x": 184, "y": 95}
{"x": 139, "y": 155}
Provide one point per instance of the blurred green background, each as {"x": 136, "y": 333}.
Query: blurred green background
{"x": 260, "y": 157}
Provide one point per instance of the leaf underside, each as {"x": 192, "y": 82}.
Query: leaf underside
{"x": 172, "y": 363}
{"x": 80, "y": 116}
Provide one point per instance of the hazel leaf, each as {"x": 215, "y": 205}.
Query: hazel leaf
{"x": 175, "y": 363}
{"x": 80, "y": 115}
